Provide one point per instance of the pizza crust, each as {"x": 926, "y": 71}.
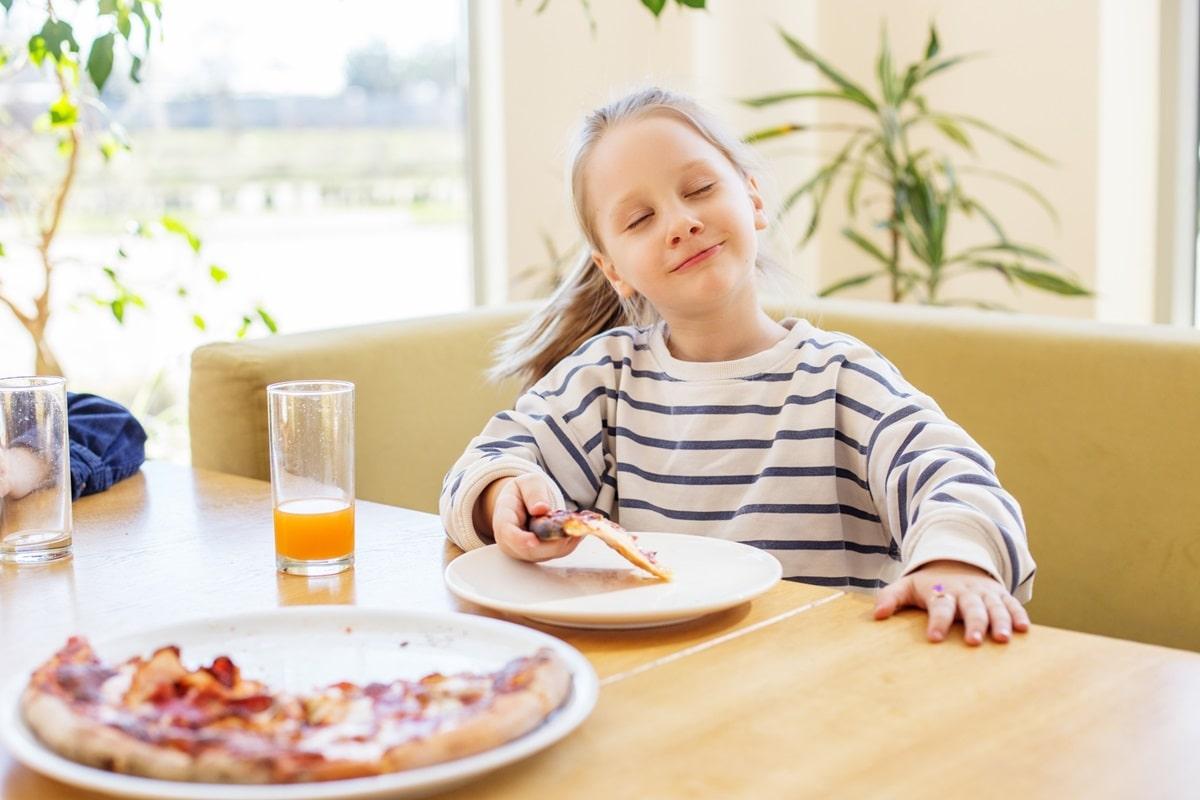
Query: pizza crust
{"x": 86, "y": 740}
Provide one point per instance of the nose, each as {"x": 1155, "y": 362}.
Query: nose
{"x": 683, "y": 226}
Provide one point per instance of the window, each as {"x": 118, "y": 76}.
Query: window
{"x": 318, "y": 153}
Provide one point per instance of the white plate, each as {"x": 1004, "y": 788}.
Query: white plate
{"x": 296, "y": 649}
{"x": 594, "y": 587}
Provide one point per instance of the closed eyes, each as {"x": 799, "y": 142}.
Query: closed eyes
{"x": 699, "y": 192}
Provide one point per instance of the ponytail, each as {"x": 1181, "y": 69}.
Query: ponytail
{"x": 582, "y": 306}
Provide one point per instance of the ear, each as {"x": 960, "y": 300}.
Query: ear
{"x": 610, "y": 273}
{"x": 760, "y": 213}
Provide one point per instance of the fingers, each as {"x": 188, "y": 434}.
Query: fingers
{"x": 974, "y": 616}
{"x": 526, "y": 496}
{"x": 1020, "y": 617}
{"x": 1001, "y": 619}
{"x": 942, "y": 608}
{"x": 893, "y": 597}
{"x": 534, "y": 494}
{"x": 525, "y": 546}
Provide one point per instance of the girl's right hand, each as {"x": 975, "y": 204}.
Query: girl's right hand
{"x": 512, "y": 502}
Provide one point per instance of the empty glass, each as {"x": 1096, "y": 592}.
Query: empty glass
{"x": 35, "y": 471}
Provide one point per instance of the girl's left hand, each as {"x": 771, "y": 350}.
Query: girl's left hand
{"x": 951, "y": 590}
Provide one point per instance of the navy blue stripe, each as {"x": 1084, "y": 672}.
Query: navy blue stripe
{"x": 813, "y": 369}
{"x": 734, "y": 444}
{"x": 659, "y": 408}
{"x": 609, "y": 479}
{"x": 754, "y": 508}
{"x": 612, "y": 333}
{"x": 738, "y": 480}
{"x": 569, "y": 446}
{"x": 884, "y": 424}
{"x": 1028, "y": 578}
{"x": 912, "y": 434}
{"x": 503, "y": 444}
{"x": 928, "y": 473}
{"x": 976, "y": 480}
{"x": 457, "y": 483}
{"x": 591, "y": 443}
{"x": 974, "y": 455}
{"x": 861, "y": 583}
{"x": 623, "y": 362}
{"x": 824, "y": 345}
{"x": 1013, "y": 562}
{"x": 902, "y": 493}
{"x": 991, "y": 483}
{"x": 817, "y": 544}
{"x": 586, "y": 402}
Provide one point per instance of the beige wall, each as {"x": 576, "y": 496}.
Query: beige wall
{"x": 554, "y": 71}
{"x": 1038, "y": 76}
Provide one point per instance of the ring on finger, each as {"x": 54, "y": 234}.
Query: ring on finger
{"x": 940, "y": 592}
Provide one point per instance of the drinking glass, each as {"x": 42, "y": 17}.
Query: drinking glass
{"x": 312, "y": 475}
{"x": 35, "y": 471}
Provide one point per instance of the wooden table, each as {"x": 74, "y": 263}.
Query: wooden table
{"x": 797, "y": 694}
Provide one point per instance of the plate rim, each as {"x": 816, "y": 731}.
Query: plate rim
{"x": 565, "y": 618}
{"x": 23, "y": 746}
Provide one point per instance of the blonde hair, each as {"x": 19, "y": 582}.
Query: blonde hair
{"x": 585, "y": 304}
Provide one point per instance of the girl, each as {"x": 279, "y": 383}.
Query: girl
{"x": 660, "y": 393}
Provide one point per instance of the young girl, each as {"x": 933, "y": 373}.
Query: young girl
{"x": 661, "y": 394}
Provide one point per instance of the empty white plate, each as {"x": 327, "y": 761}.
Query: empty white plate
{"x": 594, "y": 587}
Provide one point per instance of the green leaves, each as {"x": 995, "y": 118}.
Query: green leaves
{"x": 64, "y": 113}
{"x": 772, "y": 99}
{"x": 51, "y": 41}
{"x": 925, "y": 191}
{"x": 175, "y": 226}
{"x": 852, "y": 91}
{"x": 100, "y": 60}
{"x": 217, "y": 274}
{"x": 267, "y": 319}
{"x": 122, "y": 299}
{"x": 656, "y": 6}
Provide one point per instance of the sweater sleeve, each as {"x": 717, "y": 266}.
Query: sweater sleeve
{"x": 939, "y": 497}
{"x": 556, "y": 429}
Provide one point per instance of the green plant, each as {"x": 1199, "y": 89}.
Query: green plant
{"x": 654, "y": 6}
{"x": 125, "y": 29}
{"x": 923, "y": 189}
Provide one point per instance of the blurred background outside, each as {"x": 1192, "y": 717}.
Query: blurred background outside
{"x": 319, "y": 157}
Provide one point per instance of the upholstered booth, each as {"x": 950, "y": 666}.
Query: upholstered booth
{"x": 1095, "y": 429}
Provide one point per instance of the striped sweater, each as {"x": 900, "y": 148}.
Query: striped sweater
{"x": 816, "y": 450}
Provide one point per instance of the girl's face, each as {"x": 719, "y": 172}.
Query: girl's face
{"x": 675, "y": 219}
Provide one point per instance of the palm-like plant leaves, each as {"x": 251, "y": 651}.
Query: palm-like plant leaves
{"x": 924, "y": 187}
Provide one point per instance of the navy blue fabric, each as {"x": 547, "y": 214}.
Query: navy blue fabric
{"x": 107, "y": 443}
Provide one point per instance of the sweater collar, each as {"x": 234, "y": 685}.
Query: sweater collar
{"x": 754, "y": 364}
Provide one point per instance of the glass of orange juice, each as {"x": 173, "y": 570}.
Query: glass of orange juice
{"x": 312, "y": 475}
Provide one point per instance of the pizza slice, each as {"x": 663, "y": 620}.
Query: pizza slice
{"x": 158, "y": 719}
{"x": 558, "y": 524}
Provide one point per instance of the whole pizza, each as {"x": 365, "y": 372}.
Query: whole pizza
{"x": 156, "y": 718}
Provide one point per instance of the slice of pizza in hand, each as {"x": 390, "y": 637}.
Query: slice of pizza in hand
{"x": 558, "y": 524}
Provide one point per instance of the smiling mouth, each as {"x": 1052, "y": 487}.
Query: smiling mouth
{"x": 699, "y": 257}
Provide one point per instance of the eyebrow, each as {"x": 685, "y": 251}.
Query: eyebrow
{"x": 695, "y": 162}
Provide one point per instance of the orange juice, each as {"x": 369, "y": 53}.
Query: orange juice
{"x": 310, "y": 530}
